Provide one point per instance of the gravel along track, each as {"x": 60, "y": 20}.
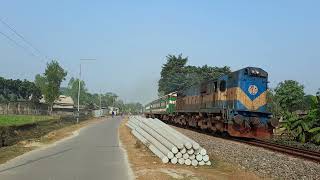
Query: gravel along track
{"x": 264, "y": 163}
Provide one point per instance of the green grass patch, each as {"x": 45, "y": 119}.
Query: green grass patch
{"x": 16, "y": 120}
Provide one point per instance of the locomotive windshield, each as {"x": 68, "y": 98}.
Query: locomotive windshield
{"x": 256, "y": 72}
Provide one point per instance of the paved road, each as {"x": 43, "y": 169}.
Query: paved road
{"x": 92, "y": 155}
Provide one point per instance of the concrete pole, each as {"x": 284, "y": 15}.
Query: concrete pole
{"x": 155, "y": 142}
{"x": 190, "y": 151}
{"x": 164, "y": 134}
{"x": 158, "y": 137}
{"x": 208, "y": 163}
{"x": 131, "y": 127}
{"x": 185, "y": 156}
{"x": 187, "y": 162}
{"x": 205, "y": 158}
{"x": 194, "y": 162}
{"x": 203, "y": 152}
{"x": 192, "y": 157}
{"x": 172, "y": 131}
{"x": 174, "y": 160}
{"x": 181, "y": 161}
{"x": 156, "y": 151}
{"x": 199, "y": 157}
{"x": 178, "y": 155}
{"x": 195, "y": 145}
{"x": 187, "y": 141}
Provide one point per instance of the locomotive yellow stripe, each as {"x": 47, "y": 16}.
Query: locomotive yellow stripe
{"x": 237, "y": 93}
{"x": 232, "y": 94}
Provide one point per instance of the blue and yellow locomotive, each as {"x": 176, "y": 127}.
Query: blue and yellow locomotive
{"x": 235, "y": 103}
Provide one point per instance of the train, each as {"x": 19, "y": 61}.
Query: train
{"x": 234, "y": 104}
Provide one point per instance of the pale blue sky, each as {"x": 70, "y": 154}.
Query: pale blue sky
{"x": 130, "y": 39}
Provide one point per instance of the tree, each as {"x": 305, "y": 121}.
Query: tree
{"x": 290, "y": 95}
{"x": 309, "y": 102}
{"x": 172, "y": 74}
{"x": 108, "y": 99}
{"x": 54, "y": 75}
{"x": 133, "y": 108}
{"x": 175, "y": 75}
{"x": 41, "y": 83}
{"x": 273, "y": 104}
{"x": 73, "y": 88}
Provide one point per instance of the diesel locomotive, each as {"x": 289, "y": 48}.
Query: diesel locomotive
{"x": 235, "y": 104}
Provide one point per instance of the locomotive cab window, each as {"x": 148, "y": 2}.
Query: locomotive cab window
{"x": 222, "y": 86}
{"x": 246, "y": 72}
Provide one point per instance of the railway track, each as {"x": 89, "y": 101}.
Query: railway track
{"x": 297, "y": 152}
{"x": 293, "y": 151}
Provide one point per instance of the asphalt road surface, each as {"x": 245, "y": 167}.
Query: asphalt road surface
{"x": 94, "y": 154}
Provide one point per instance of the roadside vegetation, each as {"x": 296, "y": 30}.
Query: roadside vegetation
{"x": 17, "y": 120}
{"x": 300, "y": 113}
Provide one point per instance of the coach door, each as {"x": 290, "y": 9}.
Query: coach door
{"x": 223, "y": 93}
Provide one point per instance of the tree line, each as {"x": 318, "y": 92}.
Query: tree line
{"x": 48, "y": 86}
{"x": 18, "y": 90}
{"x": 299, "y": 111}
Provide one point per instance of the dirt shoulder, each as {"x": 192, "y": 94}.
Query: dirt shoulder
{"x": 147, "y": 166}
{"x": 9, "y": 152}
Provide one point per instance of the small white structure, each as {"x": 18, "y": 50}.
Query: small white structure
{"x": 63, "y": 102}
{"x": 115, "y": 110}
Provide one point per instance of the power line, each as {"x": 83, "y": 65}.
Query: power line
{"x": 16, "y": 43}
{"x": 23, "y": 38}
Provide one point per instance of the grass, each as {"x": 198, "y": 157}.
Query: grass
{"x": 11, "y": 120}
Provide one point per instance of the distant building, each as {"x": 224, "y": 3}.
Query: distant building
{"x": 63, "y": 102}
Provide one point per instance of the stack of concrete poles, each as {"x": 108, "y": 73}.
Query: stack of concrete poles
{"x": 167, "y": 143}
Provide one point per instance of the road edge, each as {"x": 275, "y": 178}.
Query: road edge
{"x": 125, "y": 154}
{"x": 16, "y": 159}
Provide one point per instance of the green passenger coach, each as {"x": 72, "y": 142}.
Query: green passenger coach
{"x": 165, "y": 105}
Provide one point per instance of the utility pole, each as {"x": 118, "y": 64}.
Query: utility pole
{"x": 100, "y": 101}
{"x": 79, "y": 88}
{"x": 100, "y": 104}
{"x": 79, "y": 94}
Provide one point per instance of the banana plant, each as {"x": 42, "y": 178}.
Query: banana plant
{"x": 315, "y": 134}
{"x": 298, "y": 127}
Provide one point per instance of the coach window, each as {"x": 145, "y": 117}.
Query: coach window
{"x": 222, "y": 86}
{"x": 215, "y": 86}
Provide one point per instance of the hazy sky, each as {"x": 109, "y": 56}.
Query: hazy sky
{"x": 130, "y": 39}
